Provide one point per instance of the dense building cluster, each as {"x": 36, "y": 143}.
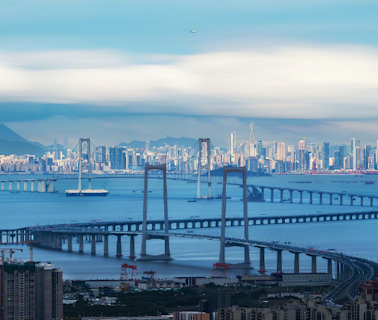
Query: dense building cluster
{"x": 258, "y": 157}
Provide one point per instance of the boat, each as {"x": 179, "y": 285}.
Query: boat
{"x": 87, "y": 193}
{"x": 192, "y": 200}
{"x": 369, "y": 182}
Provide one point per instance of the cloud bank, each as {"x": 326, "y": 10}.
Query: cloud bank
{"x": 288, "y": 82}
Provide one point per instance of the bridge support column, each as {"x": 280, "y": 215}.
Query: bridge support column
{"x": 166, "y": 255}
{"x": 93, "y": 244}
{"x": 18, "y": 185}
{"x": 320, "y": 198}
{"x": 281, "y": 195}
{"x": 25, "y": 186}
{"x": 132, "y": 247}
{"x": 371, "y": 202}
{"x": 2, "y": 186}
{"x": 313, "y": 264}
{"x": 50, "y": 187}
{"x": 291, "y": 196}
{"x": 119, "y": 246}
{"x": 10, "y": 185}
{"x": 106, "y": 245}
{"x": 69, "y": 243}
{"x": 362, "y": 201}
{"x": 310, "y": 197}
{"x": 54, "y": 241}
{"x": 247, "y": 262}
{"x": 279, "y": 260}
{"x": 330, "y": 198}
{"x": 329, "y": 267}
{"x": 60, "y": 242}
{"x": 81, "y": 243}
{"x": 262, "y": 193}
{"x": 300, "y": 196}
{"x": 341, "y": 199}
{"x": 32, "y": 186}
{"x": 337, "y": 271}
{"x": 262, "y": 260}
{"x": 296, "y": 262}
{"x": 271, "y": 195}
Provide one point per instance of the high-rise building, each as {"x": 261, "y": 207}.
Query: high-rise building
{"x": 281, "y": 151}
{"x": 354, "y": 153}
{"x": 342, "y": 156}
{"x": 259, "y": 148}
{"x": 336, "y": 164}
{"x": 252, "y": 145}
{"x": 233, "y": 143}
{"x": 147, "y": 146}
{"x": 32, "y": 291}
{"x": 326, "y": 155}
{"x": 367, "y": 155}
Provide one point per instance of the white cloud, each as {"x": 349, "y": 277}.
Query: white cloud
{"x": 293, "y": 82}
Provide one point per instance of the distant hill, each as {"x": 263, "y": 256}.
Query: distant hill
{"x": 10, "y": 135}
{"x": 181, "y": 142}
{"x": 19, "y": 148}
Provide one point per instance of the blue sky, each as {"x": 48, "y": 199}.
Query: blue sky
{"x": 122, "y": 70}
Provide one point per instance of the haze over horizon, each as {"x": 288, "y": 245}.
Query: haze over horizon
{"x": 118, "y": 72}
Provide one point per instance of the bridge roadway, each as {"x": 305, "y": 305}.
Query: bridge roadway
{"x": 44, "y": 186}
{"x": 351, "y": 271}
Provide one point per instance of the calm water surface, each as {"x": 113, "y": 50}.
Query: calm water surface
{"x": 194, "y": 257}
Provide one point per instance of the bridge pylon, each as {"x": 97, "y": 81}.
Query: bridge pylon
{"x": 223, "y": 244}
{"x": 207, "y": 142}
{"x": 145, "y": 236}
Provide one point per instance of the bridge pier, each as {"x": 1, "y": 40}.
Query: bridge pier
{"x": 18, "y": 185}
{"x": 362, "y": 201}
{"x": 119, "y": 246}
{"x": 262, "y": 260}
{"x": 371, "y": 201}
{"x": 32, "y": 186}
{"x": 310, "y": 197}
{"x": 25, "y": 186}
{"x": 69, "y": 243}
{"x": 93, "y": 244}
{"x": 351, "y": 200}
{"x": 81, "y": 243}
{"x": 330, "y": 198}
{"x": 300, "y": 196}
{"x": 291, "y": 196}
{"x": 262, "y": 192}
{"x": 271, "y": 195}
{"x": 50, "y": 187}
{"x": 320, "y": 198}
{"x": 341, "y": 199}
{"x": 279, "y": 260}
{"x": 281, "y": 195}
{"x": 59, "y": 242}
{"x": 106, "y": 245}
{"x": 132, "y": 246}
{"x": 337, "y": 271}
{"x": 2, "y": 186}
{"x": 313, "y": 264}
{"x": 296, "y": 262}
{"x": 10, "y": 185}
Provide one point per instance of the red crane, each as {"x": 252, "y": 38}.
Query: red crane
{"x": 224, "y": 266}
{"x": 124, "y": 275}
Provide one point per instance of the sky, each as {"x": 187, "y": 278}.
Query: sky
{"x": 117, "y": 70}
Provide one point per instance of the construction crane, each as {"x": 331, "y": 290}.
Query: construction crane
{"x": 11, "y": 251}
{"x": 124, "y": 268}
{"x": 30, "y": 243}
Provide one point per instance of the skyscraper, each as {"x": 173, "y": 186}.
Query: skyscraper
{"x": 252, "y": 145}
{"x": 233, "y": 143}
{"x": 354, "y": 153}
{"x": 147, "y": 146}
{"x": 326, "y": 155}
{"x": 342, "y": 156}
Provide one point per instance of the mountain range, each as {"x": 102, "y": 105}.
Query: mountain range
{"x": 181, "y": 142}
{"x": 13, "y": 143}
